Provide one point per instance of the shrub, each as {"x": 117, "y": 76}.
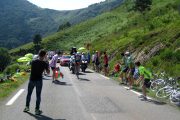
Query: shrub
{"x": 167, "y": 54}
{"x": 11, "y": 69}
{"x": 155, "y": 62}
{"x": 5, "y": 58}
{"x": 24, "y": 68}
{"x": 177, "y": 55}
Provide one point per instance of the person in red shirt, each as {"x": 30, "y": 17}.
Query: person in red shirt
{"x": 106, "y": 64}
{"x": 116, "y": 68}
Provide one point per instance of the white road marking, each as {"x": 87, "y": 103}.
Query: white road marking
{"x": 137, "y": 93}
{"x": 94, "y": 118}
{"x": 15, "y": 97}
{"x": 125, "y": 87}
{"x": 105, "y": 77}
{"x": 90, "y": 70}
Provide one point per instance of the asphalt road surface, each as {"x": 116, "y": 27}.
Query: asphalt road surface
{"x": 92, "y": 97}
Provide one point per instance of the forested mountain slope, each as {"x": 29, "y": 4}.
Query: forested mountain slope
{"x": 153, "y": 37}
{"x": 20, "y": 20}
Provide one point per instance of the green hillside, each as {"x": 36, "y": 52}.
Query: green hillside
{"x": 153, "y": 38}
{"x": 21, "y": 20}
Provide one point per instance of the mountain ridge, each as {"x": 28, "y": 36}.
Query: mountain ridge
{"x": 21, "y": 20}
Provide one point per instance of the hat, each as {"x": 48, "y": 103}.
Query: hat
{"x": 127, "y": 53}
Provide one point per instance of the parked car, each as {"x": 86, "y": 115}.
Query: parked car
{"x": 65, "y": 59}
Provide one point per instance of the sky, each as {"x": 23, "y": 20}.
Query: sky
{"x": 64, "y": 4}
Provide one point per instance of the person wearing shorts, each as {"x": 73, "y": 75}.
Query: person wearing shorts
{"x": 124, "y": 69}
{"x": 131, "y": 69}
{"x": 53, "y": 63}
{"x": 145, "y": 77}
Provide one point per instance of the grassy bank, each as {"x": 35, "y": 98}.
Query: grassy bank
{"x": 150, "y": 94}
{"x": 7, "y": 87}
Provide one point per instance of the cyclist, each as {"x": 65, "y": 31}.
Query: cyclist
{"x": 77, "y": 63}
{"x": 145, "y": 77}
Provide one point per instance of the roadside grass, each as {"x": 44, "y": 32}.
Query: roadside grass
{"x": 7, "y": 87}
{"x": 150, "y": 93}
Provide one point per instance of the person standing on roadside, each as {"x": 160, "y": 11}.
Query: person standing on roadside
{"x": 37, "y": 68}
{"x": 124, "y": 69}
{"x": 106, "y": 64}
{"x": 53, "y": 65}
{"x": 97, "y": 62}
{"x": 130, "y": 71}
{"x": 145, "y": 77}
{"x": 93, "y": 60}
{"x": 47, "y": 61}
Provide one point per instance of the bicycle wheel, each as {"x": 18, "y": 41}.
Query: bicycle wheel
{"x": 175, "y": 97}
{"x": 164, "y": 92}
{"x": 157, "y": 84}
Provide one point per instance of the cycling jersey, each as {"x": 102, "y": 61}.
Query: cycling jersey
{"x": 77, "y": 58}
{"x": 144, "y": 72}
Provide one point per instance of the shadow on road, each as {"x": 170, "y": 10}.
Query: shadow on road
{"x": 88, "y": 72}
{"x": 57, "y": 82}
{"x": 42, "y": 117}
{"x": 84, "y": 79}
{"x": 45, "y": 78}
{"x": 156, "y": 102}
{"x": 82, "y": 74}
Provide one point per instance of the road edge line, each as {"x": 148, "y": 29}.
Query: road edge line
{"x": 13, "y": 99}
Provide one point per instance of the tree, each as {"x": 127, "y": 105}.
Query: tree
{"x": 64, "y": 26}
{"x": 37, "y": 42}
{"x": 5, "y": 58}
{"x": 37, "y": 39}
{"x": 142, "y": 5}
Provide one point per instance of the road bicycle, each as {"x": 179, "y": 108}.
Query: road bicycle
{"x": 158, "y": 81}
{"x": 171, "y": 90}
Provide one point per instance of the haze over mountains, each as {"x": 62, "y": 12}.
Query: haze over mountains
{"x": 21, "y": 20}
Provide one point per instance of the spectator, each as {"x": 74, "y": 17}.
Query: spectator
{"x": 131, "y": 69}
{"x": 37, "y": 68}
{"x": 93, "y": 60}
{"x": 97, "y": 61}
{"x": 53, "y": 65}
{"x": 124, "y": 69}
{"x": 145, "y": 77}
{"x": 106, "y": 64}
{"x": 116, "y": 68}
